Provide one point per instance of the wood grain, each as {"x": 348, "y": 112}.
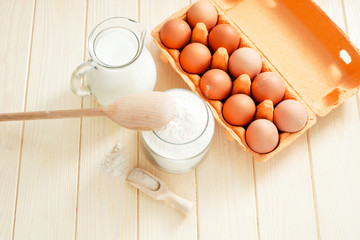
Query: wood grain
{"x": 353, "y": 22}
{"x": 335, "y": 152}
{"x": 156, "y": 219}
{"x": 14, "y": 60}
{"x": 284, "y": 195}
{"x": 309, "y": 191}
{"x": 46, "y": 205}
{"x": 107, "y": 205}
{"x": 226, "y": 192}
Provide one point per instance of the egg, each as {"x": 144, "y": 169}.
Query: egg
{"x": 204, "y": 12}
{"x": 195, "y": 58}
{"x": 239, "y": 110}
{"x": 175, "y": 33}
{"x": 216, "y": 84}
{"x": 262, "y": 136}
{"x": 290, "y": 116}
{"x": 245, "y": 61}
{"x": 224, "y": 35}
{"x": 268, "y": 85}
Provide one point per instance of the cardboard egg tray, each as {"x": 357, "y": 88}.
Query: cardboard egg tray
{"x": 295, "y": 39}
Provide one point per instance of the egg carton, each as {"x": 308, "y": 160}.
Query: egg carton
{"x": 253, "y": 20}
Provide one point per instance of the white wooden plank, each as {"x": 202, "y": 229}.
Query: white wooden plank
{"x": 335, "y": 156}
{"x": 46, "y": 205}
{"x": 107, "y": 205}
{"x": 226, "y": 192}
{"x": 353, "y": 22}
{"x": 284, "y": 195}
{"x": 16, "y": 19}
{"x": 156, "y": 219}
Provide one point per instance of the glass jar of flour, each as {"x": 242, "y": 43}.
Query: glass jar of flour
{"x": 184, "y": 141}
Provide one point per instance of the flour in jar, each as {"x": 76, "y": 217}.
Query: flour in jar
{"x": 181, "y": 144}
{"x": 189, "y": 120}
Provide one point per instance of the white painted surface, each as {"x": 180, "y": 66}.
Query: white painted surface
{"x": 50, "y": 181}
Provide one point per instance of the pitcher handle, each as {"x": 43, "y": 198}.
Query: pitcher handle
{"x": 77, "y": 75}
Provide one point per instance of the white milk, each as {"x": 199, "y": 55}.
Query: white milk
{"x": 115, "y": 47}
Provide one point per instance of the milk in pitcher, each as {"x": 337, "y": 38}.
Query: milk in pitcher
{"x": 120, "y": 65}
{"x": 116, "y": 46}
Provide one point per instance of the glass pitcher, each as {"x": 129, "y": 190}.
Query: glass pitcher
{"x": 119, "y": 64}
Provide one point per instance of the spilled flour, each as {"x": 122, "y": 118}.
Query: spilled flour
{"x": 116, "y": 163}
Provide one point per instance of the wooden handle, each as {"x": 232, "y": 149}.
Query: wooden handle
{"x": 182, "y": 204}
{"x": 51, "y": 114}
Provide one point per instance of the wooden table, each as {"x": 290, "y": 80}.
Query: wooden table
{"x": 51, "y": 186}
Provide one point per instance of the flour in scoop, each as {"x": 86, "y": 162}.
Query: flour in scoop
{"x": 144, "y": 179}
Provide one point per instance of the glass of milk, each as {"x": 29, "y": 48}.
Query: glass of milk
{"x": 184, "y": 141}
{"x": 119, "y": 64}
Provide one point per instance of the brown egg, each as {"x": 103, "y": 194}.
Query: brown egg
{"x": 226, "y": 36}
{"x": 290, "y": 116}
{"x": 195, "y": 58}
{"x": 216, "y": 84}
{"x": 239, "y": 110}
{"x": 262, "y": 136}
{"x": 175, "y": 33}
{"x": 204, "y": 12}
{"x": 245, "y": 61}
{"x": 268, "y": 85}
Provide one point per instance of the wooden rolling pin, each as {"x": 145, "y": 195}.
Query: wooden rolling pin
{"x": 141, "y": 111}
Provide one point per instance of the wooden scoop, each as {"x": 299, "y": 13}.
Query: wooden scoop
{"x": 141, "y": 111}
{"x": 157, "y": 189}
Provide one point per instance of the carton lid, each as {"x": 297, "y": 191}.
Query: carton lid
{"x": 311, "y": 53}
